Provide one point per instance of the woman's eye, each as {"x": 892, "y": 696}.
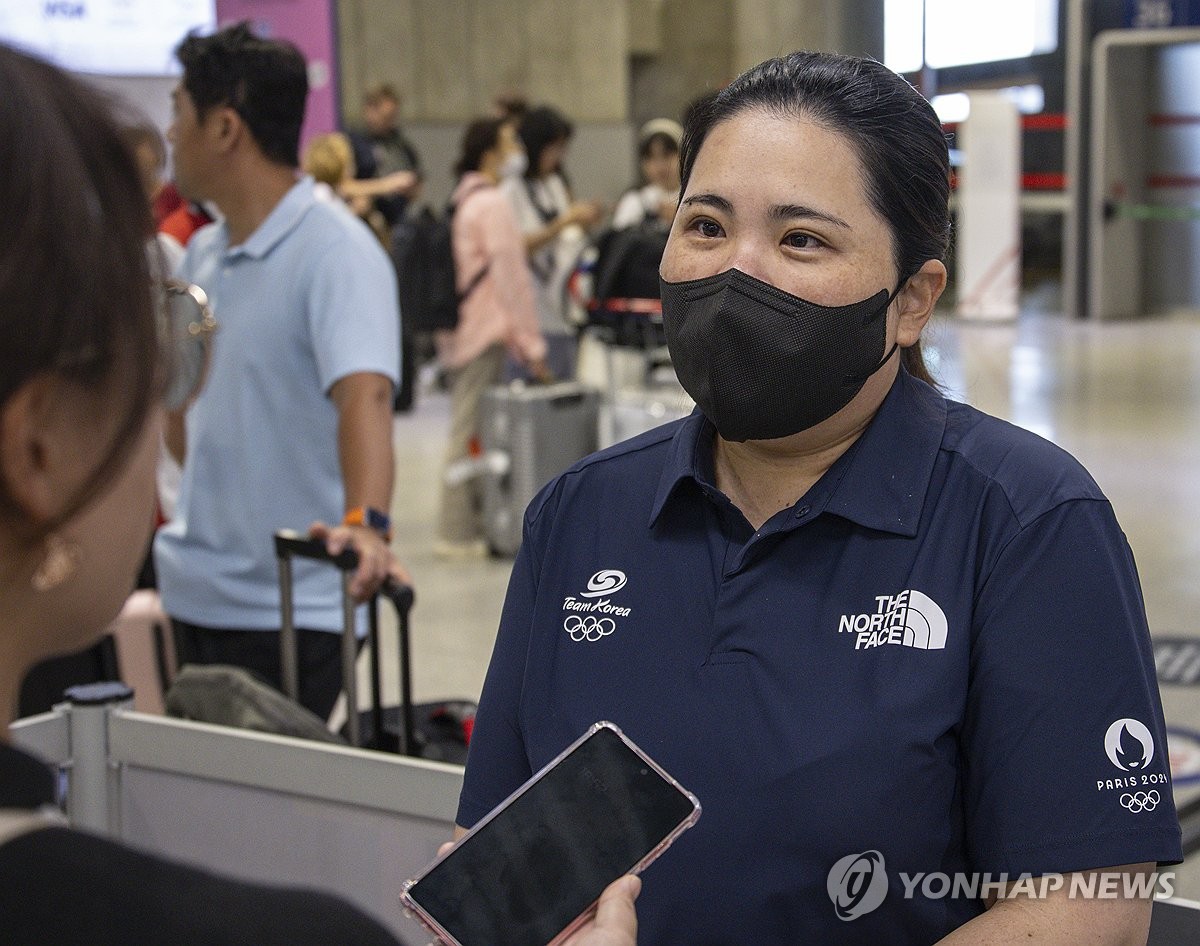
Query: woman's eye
{"x": 707, "y": 228}
{"x": 801, "y": 241}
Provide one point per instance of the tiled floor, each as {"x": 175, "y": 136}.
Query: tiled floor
{"x": 1124, "y": 398}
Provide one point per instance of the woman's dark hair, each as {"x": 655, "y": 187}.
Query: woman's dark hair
{"x": 539, "y": 128}
{"x": 510, "y": 105}
{"x": 893, "y": 129}
{"x": 660, "y": 138}
{"x": 264, "y": 80}
{"x": 481, "y": 136}
{"x": 75, "y": 298}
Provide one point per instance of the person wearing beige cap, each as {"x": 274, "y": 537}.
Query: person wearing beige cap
{"x": 658, "y": 194}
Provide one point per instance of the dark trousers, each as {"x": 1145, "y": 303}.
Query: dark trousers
{"x": 320, "y": 658}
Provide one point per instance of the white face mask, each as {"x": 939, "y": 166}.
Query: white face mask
{"x": 514, "y": 165}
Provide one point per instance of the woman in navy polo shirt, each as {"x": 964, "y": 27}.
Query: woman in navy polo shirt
{"x": 896, "y": 647}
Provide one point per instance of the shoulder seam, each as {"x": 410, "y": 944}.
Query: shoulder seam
{"x": 993, "y": 480}
{"x": 1029, "y": 525}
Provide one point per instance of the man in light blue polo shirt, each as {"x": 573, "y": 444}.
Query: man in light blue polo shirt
{"x": 294, "y": 423}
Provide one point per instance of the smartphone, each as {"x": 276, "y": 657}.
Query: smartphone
{"x": 530, "y": 872}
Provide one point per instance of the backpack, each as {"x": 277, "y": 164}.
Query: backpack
{"x": 627, "y": 262}
{"x": 616, "y": 284}
{"x": 423, "y": 253}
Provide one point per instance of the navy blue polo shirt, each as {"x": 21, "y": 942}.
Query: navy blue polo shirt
{"x": 935, "y": 662}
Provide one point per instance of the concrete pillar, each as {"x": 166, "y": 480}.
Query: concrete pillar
{"x": 767, "y": 28}
{"x": 694, "y": 58}
{"x": 608, "y": 64}
{"x": 449, "y": 58}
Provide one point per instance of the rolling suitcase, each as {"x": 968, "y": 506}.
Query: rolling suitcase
{"x": 634, "y": 411}
{"x": 529, "y": 434}
{"x": 439, "y": 730}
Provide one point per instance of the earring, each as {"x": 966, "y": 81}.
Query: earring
{"x": 62, "y": 558}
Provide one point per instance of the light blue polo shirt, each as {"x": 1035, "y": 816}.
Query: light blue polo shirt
{"x": 935, "y": 664}
{"x": 308, "y": 299}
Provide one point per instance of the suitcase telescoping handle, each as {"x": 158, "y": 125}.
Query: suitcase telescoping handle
{"x": 289, "y": 545}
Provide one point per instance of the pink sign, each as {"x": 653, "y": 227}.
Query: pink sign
{"x": 309, "y": 25}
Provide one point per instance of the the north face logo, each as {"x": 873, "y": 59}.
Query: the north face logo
{"x": 909, "y": 619}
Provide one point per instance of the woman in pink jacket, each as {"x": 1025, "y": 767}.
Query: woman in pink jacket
{"x": 497, "y": 317}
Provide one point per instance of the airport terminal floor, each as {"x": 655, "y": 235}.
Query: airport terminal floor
{"x": 1123, "y": 397}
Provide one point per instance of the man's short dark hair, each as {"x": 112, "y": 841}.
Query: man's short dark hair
{"x": 380, "y": 92}
{"x": 264, "y": 80}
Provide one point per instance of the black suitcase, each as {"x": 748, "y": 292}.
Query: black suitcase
{"x": 439, "y": 730}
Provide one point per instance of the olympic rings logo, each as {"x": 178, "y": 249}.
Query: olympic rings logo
{"x": 588, "y": 628}
{"x": 1140, "y": 801}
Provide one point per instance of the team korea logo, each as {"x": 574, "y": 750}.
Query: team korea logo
{"x": 592, "y": 613}
{"x": 857, "y": 884}
{"x": 605, "y": 582}
{"x": 909, "y": 619}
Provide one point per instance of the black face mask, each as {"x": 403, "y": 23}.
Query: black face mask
{"x": 762, "y": 363}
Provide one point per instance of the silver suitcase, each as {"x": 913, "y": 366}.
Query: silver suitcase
{"x": 630, "y": 412}
{"x": 529, "y": 434}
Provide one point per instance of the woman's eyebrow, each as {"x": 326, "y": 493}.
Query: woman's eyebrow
{"x": 709, "y": 200}
{"x": 783, "y": 212}
{"x": 780, "y": 212}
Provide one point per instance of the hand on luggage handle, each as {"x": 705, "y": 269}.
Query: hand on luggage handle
{"x": 289, "y": 543}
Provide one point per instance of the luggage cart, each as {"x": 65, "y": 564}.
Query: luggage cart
{"x": 652, "y": 395}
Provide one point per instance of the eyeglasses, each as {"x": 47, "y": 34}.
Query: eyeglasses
{"x": 186, "y": 326}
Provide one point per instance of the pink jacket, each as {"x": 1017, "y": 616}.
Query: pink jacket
{"x": 501, "y": 308}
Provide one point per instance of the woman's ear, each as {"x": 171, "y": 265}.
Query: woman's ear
{"x": 917, "y": 299}
{"x": 36, "y": 452}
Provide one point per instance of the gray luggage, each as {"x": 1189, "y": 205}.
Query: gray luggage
{"x": 630, "y": 412}
{"x": 529, "y": 434}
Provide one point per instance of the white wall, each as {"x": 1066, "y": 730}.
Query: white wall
{"x": 146, "y": 97}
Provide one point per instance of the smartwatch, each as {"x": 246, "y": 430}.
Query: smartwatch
{"x": 371, "y": 518}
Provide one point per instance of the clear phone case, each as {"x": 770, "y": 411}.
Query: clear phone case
{"x": 431, "y": 922}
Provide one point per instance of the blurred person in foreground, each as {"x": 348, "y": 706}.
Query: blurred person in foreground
{"x": 83, "y": 365}
{"x": 81, "y": 374}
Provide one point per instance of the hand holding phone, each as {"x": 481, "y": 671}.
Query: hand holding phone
{"x": 531, "y": 871}
{"x": 615, "y": 920}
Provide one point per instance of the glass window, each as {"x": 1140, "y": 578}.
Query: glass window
{"x": 964, "y": 32}
{"x": 129, "y": 37}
